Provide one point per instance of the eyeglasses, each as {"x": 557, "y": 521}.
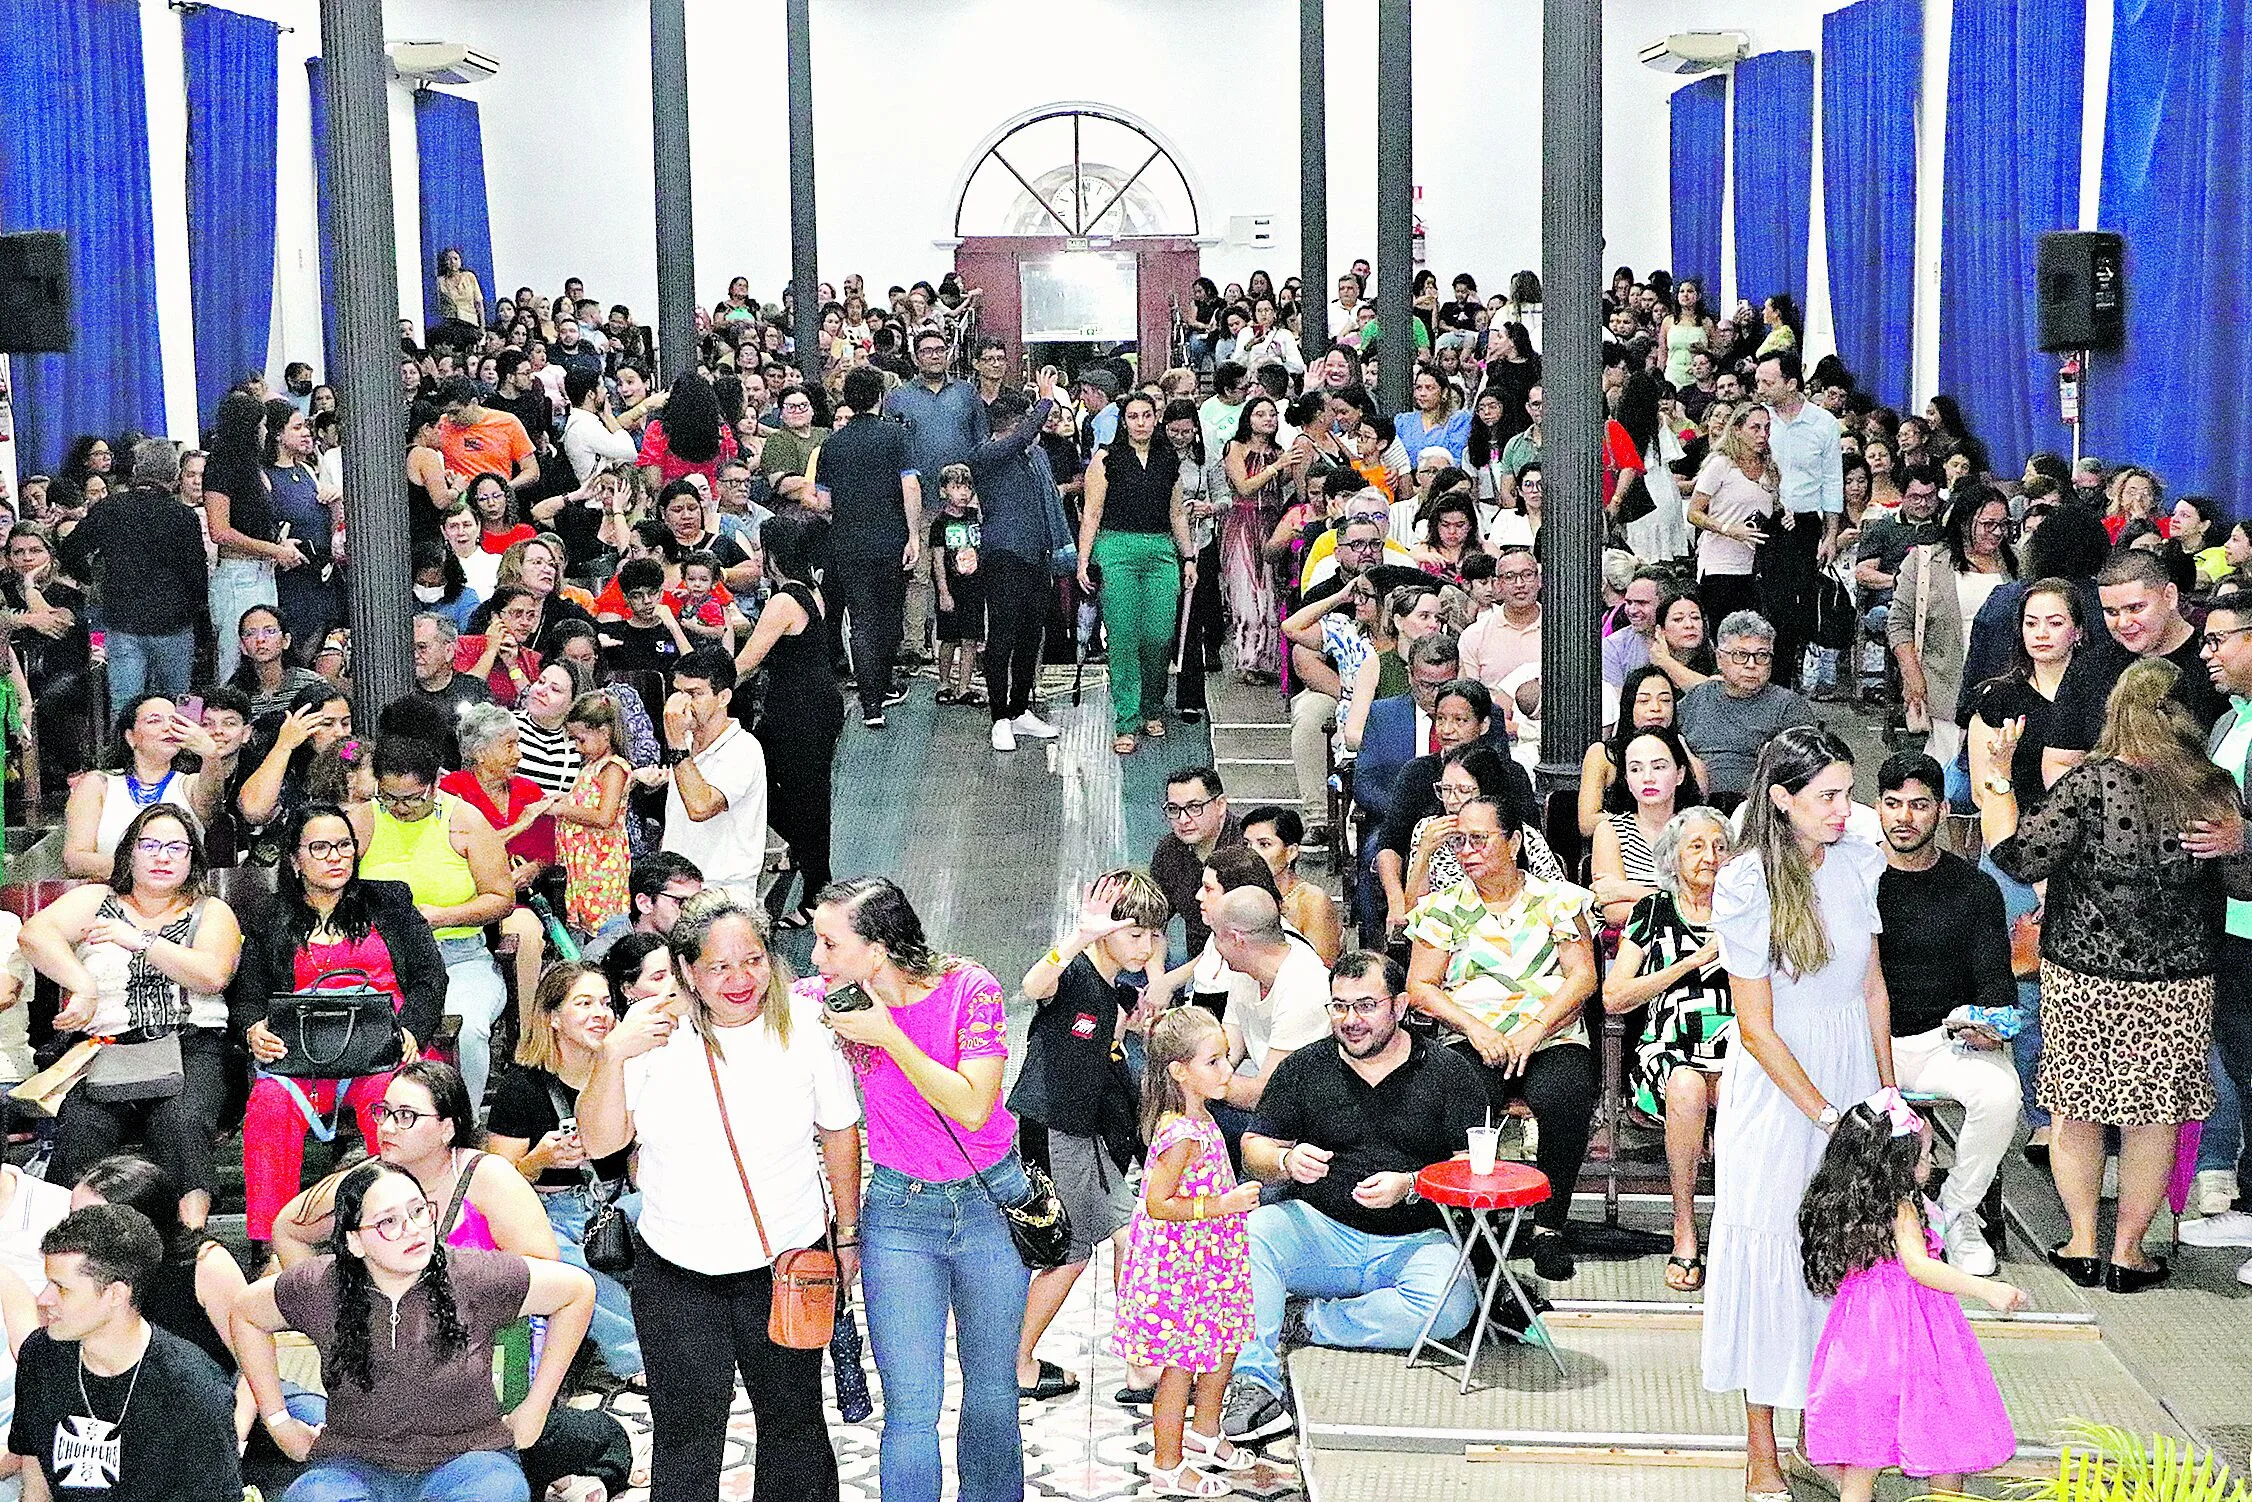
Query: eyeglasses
{"x": 1750, "y": 659}
{"x": 405, "y": 1118}
{"x": 1446, "y": 790}
{"x": 1363, "y": 544}
{"x": 328, "y": 850}
{"x": 1487, "y": 840}
{"x": 1366, "y": 1009}
{"x": 2210, "y": 642}
{"x": 177, "y": 849}
{"x": 1519, "y": 576}
{"x": 1176, "y": 812}
{"x": 419, "y": 1216}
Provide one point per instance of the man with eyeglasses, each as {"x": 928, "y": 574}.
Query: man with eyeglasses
{"x": 1727, "y": 720}
{"x": 1501, "y": 648}
{"x": 2226, "y": 645}
{"x": 945, "y": 420}
{"x": 1326, "y": 648}
{"x": 1523, "y": 447}
{"x": 656, "y": 886}
{"x": 1197, "y": 822}
{"x": 1343, "y": 1130}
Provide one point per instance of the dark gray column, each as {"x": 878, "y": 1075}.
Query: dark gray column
{"x": 366, "y": 290}
{"x": 805, "y": 269}
{"x": 676, "y": 222}
{"x": 1395, "y": 201}
{"x": 1313, "y": 178}
{"x": 1571, "y": 238}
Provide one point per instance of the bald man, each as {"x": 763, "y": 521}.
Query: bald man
{"x": 1278, "y": 999}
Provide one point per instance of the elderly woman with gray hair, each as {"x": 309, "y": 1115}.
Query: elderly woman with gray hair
{"x": 489, "y": 781}
{"x": 1669, "y": 961}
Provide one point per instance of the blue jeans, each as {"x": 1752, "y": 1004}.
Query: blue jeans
{"x": 612, "y": 1330}
{"x": 2025, "y": 1049}
{"x": 149, "y": 664}
{"x": 479, "y": 1476}
{"x": 1370, "y": 1293}
{"x": 927, "y": 1249}
{"x": 475, "y": 993}
{"x": 236, "y": 585}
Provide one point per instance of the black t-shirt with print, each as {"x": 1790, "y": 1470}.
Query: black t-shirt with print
{"x": 163, "y": 1431}
{"x": 1074, "y": 1078}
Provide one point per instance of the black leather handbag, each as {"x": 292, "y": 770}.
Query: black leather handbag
{"x": 336, "y": 1032}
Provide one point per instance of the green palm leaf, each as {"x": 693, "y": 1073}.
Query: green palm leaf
{"x": 2101, "y": 1463}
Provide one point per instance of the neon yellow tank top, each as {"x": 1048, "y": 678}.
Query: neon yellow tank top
{"x": 422, "y": 855}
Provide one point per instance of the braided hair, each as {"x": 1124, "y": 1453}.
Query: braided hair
{"x": 355, "y": 1289}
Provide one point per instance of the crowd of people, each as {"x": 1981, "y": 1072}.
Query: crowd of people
{"x": 560, "y": 870}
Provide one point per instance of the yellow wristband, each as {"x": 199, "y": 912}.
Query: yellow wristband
{"x": 1196, "y": 1208}
{"x": 1055, "y": 958}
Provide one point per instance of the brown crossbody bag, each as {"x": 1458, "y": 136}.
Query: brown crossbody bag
{"x": 803, "y": 1309}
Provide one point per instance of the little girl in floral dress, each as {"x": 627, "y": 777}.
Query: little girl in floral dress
{"x": 1184, "y": 1296}
{"x": 590, "y": 824}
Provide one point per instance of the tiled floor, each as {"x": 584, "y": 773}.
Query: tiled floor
{"x": 1082, "y": 1447}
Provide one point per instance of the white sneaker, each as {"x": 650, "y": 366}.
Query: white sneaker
{"x": 1967, "y": 1250}
{"x": 1031, "y": 724}
{"x": 1004, "y": 739}
{"x": 2229, "y": 1228}
{"x": 2215, "y": 1190}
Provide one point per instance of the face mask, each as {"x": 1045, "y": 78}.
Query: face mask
{"x": 429, "y": 594}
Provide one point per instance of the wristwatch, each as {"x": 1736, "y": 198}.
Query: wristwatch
{"x": 1828, "y": 1118}
{"x": 1414, "y": 1195}
{"x": 2000, "y": 787}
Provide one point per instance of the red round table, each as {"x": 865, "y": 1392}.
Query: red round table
{"x": 1488, "y": 1210}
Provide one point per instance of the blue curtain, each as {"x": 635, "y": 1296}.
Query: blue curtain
{"x": 451, "y": 143}
{"x": 74, "y": 156}
{"x": 1872, "y": 66}
{"x": 234, "y": 110}
{"x": 1774, "y": 174}
{"x": 1700, "y": 164}
{"x": 2176, "y": 185}
{"x": 2013, "y": 76}
{"x": 317, "y": 81}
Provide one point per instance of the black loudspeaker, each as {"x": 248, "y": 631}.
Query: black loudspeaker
{"x": 35, "y": 294}
{"x": 2083, "y": 282}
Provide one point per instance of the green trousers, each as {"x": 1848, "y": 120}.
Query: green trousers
{"x": 1141, "y": 592}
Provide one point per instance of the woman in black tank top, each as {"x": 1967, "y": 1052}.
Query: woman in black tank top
{"x": 801, "y": 711}
{"x": 193, "y": 1290}
{"x": 1134, "y": 531}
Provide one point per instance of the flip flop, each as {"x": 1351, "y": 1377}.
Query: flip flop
{"x": 1155, "y": 730}
{"x": 1692, "y": 1270}
{"x": 1123, "y": 745}
{"x": 1054, "y": 1382}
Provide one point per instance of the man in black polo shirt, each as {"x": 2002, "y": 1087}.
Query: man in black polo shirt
{"x": 1946, "y": 946}
{"x": 865, "y": 476}
{"x": 2143, "y": 610}
{"x": 1344, "y": 1129}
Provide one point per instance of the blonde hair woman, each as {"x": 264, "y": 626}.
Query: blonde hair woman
{"x": 1729, "y": 509}
{"x": 2135, "y": 844}
{"x": 1795, "y": 911}
{"x": 1409, "y": 614}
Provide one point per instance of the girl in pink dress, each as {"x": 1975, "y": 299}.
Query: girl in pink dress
{"x": 1184, "y": 1295}
{"x": 1898, "y": 1379}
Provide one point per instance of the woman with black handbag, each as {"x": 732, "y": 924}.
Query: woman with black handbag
{"x": 727, "y": 1112}
{"x": 330, "y": 932}
{"x": 145, "y": 960}
{"x": 535, "y": 1125}
{"x": 949, "y": 1198}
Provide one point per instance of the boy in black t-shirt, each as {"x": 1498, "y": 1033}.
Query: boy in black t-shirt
{"x": 649, "y": 639}
{"x": 109, "y": 1407}
{"x": 961, "y": 588}
{"x": 1076, "y": 1091}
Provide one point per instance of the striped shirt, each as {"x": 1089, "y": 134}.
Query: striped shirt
{"x": 550, "y": 760}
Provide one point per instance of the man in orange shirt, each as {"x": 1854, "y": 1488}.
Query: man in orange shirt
{"x": 477, "y": 440}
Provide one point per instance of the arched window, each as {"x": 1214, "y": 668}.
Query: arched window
{"x": 1080, "y": 171}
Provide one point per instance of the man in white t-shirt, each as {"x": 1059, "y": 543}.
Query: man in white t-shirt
{"x": 715, "y": 809}
{"x": 1278, "y": 993}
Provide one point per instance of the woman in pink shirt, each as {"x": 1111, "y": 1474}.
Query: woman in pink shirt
{"x": 927, "y": 1036}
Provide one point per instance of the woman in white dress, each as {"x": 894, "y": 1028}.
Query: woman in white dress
{"x": 1795, "y": 910}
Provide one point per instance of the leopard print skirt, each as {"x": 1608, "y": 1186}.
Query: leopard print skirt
{"x": 2125, "y": 1052}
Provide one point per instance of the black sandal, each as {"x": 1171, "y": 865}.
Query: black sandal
{"x": 1054, "y": 1382}
{"x": 1692, "y": 1274}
